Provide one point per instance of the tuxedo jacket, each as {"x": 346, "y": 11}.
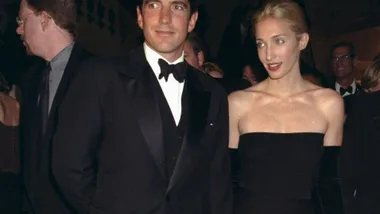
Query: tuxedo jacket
{"x": 348, "y": 100}
{"x": 107, "y": 153}
{"x": 40, "y": 189}
{"x": 360, "y": 159}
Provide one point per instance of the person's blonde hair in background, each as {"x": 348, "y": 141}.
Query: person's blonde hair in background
{"x": 213, "y": 70}
{"x": 370, "y": 81}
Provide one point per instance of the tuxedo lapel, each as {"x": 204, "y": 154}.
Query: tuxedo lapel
{"x": 198, "y": 103}
{"x": 140, "y": 87}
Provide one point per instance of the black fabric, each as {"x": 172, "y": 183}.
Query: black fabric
{"x": 342, "y": 90}
{"x": 178, "y": 70}
{"x": 278, "y": 172}
{"x": 44, "y": 98}
{"x": 173, "y": 134}
{"x": 41, "y": 193}
{"x": 329, "y": 189}
{"x": 115, "y": 119}
{"x": 359, "y": 158}
{"x": 10, "y": 189}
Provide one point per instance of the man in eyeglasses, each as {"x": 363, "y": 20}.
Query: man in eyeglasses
{"x": 342, "y": 58}
{"x": 343, "y": 61}
{"x": 47, "y": 29}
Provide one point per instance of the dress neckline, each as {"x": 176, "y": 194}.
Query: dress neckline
{"x": 279, "y": 133}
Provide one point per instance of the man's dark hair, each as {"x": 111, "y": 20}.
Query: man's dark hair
{"x": 196, "y": 43}
{"x": 350, "y": 47}
{"x": 193, "y": 5}
{"x": 63, "y": 12}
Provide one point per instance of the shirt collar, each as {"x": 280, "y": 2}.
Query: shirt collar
{"x": 152, "y": 57}
{"x": 353, "y": 85}
{"x": 62, "y": 57}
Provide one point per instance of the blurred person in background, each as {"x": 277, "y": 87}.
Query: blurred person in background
{"x": 194, "y": 51}
{"x": 9, "y": 151}
{"x": 371, "y": 78}
{"x": 360, "y": 159}
{"x": 213, "y": 70}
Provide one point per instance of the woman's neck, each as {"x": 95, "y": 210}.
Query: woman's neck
{"x": 286, "y": 86}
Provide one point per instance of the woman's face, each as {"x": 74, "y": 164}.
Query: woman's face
{"x": 278, "y": 46}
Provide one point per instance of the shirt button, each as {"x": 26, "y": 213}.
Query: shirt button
{"x": 174, "y": 158}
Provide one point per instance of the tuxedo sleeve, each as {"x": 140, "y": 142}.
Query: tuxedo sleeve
{"x": 76, "y": 139}
{"x": 220, "y": 192}
{"x": 348, "y": 160}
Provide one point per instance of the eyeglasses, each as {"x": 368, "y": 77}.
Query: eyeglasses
{"x": 20, "y": 21}
{"x": 342, "y": 58}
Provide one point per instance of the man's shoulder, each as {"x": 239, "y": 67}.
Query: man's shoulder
{"x": 367, "y": 101}
{"x": 208, "y": 82}
{"x": 103, "y": 64}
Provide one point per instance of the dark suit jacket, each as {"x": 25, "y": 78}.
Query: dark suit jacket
{"x": 360, "y": 159}
{"x": 348, "y": 100}
{"x": 110, "y": 130}
{"x": 39, "y": 186}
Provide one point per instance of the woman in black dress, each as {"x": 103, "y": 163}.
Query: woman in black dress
{"x": 9, "y": 152}
{"x": 281, "y": 124}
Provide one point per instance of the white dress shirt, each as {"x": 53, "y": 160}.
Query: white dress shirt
{"x": 172, "y": 89}
{"x": 353, "y": 85}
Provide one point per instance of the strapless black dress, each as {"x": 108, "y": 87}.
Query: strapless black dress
{"x": 10, "y": 180}
{"x": 277, "y": 172}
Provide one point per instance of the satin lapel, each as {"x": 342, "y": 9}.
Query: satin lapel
{"x": 148, "y": 115}
{"x": 198, "y": 103}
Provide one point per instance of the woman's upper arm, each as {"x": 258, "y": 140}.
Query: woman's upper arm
{"x": 334, "y": 111}
{"x": 234, "y": 115}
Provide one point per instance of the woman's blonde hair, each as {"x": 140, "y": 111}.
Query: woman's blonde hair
{"x": 288, "y": 11}
{"x": 371, "y": 76}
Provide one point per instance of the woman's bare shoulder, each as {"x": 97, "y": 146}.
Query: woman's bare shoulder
{"x": 9, "y": 110}
{"x": 245, "y": 96}
{"x": 327, "y": 95}
{"x": 329, "y": 101}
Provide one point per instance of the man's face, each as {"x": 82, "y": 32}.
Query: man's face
{"x": 342, "y": 62}
{"x": 165, "y": 24}
{"x": 29, "y": 28}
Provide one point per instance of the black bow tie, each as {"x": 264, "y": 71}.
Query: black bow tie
{"x": 344, "y": 90}
{"x": 178, "y": 70}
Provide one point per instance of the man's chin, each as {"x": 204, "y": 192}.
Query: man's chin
{"x": 340, "y": 74}
{"x": 28, "y": 51}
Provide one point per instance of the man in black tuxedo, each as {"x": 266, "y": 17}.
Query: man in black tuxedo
{"x": 47, "y": 29}
{"x": 342, "y": 58}
{"x": 360, "y": 159}
{"x": 142, "y": 135}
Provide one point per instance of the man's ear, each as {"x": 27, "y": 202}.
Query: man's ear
{"x": 140, "y": 19}
{"x": 201, "y": 58}
{"x": 192, "y": 21}
{"x": 45, "y": 19}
